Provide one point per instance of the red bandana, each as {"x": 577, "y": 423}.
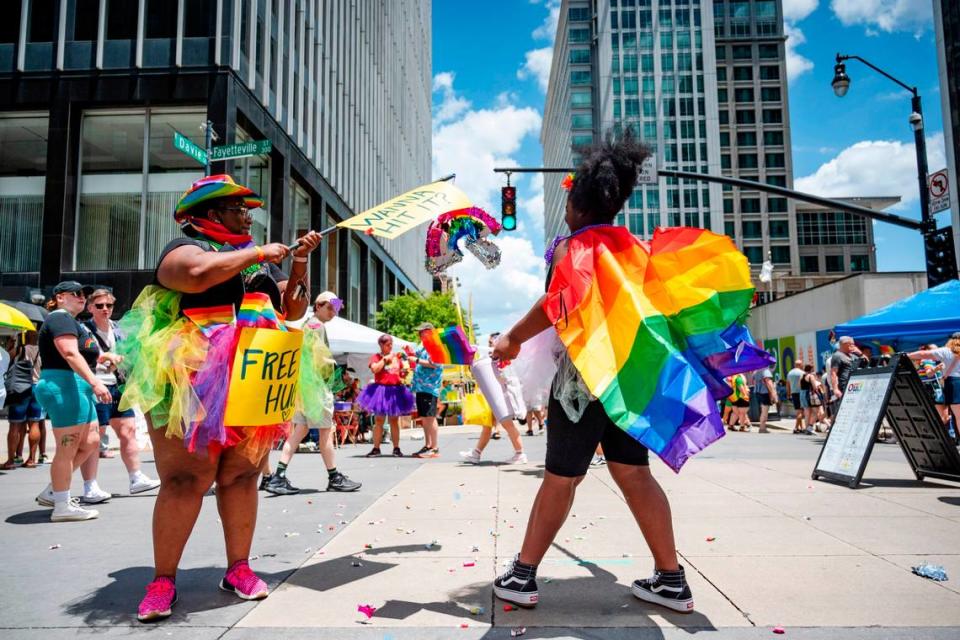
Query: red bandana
{"x": 218, "y": 233}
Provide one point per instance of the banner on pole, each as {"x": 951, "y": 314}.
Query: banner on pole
{"x": 263, "y": 382}
{"x": 395, "y": 217}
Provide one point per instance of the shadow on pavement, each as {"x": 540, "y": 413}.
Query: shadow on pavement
{"x": 902, "y": 483}
{"x": 36, "y": 516}
{"x": 954, "y": 500}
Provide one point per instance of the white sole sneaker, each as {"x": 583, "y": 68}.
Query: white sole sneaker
{"x": 44, "y": 501}
{"x": 525, "y": 600}
{"x": 680, "y": 606}
{"x": 75, "y": 516}
{"x": 95, "y": 498}
{"x": 469, "y": 458}
{"x": 142, "y": 486}
{"x": 259, "y": 595}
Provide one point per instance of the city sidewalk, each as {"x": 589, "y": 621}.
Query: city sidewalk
{"x": 763, "y": 544}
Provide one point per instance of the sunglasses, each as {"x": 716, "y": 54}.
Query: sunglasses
{"x": 103, "y": 305}
{"x": 336, "y": 303}
{"x": 240, "y": 211}
{"x": 78, "y": 294}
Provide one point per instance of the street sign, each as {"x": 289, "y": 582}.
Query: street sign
{"x": 939, "y": 186}
{"x": 184, "y": 145}
{"x": 648, "y": 171}
{"x": 241, "y": 150}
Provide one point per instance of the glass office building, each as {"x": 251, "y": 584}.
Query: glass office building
{"x": 92, "y": 92}
{"x": 946, "y": 22}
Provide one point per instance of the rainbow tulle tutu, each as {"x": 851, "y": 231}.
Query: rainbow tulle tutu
{"x": 317, "y": 368}
{"x": 177, "y": 369}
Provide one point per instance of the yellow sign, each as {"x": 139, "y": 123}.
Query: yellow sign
{"x": 397, "y": 216}
{"x": 263, "y": 383}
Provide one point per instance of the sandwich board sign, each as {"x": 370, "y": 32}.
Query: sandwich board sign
{"x": 895, "y": 394}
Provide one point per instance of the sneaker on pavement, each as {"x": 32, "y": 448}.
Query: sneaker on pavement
{"x": 666, "y": 588}
{"x": 517, "y": 458}
{"x": 241, "y": 580}
{"x": 419, "y": 454}
{"x": 470, "y": 457}
{"x": 71, "y": 511}
{"x": 264, "y": 481}
{"x": 45, "y": 497}
{"x": 431, "y": 453}
{"x": 397, "y": 453}
{"x": 159, "y": 601}
{"x": 374, "y": 453}
{"x": 808, "y": 431}
{"x": 518, "y": 585}
{"x": 280, "y": 486}
{"x": 143, "y": 483}
{"x": 341, "y": 482}
{"x": 598, "y": 461}
{"x": 96, "y": 495}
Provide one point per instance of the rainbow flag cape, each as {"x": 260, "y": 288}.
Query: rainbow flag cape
{"x": 449, "y": 346}
{"x": 653, "y": 330}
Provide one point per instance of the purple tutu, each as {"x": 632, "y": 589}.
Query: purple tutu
{"x": 386, "y": 400}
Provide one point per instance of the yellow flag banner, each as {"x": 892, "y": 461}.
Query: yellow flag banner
{"x": 397, "y": 216}
{"x": 263, "y": 383}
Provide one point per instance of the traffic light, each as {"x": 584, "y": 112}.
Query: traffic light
{"x": 941, "y": 259}
{"x": 508, "y": 208}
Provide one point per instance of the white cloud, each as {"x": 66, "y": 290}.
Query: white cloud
{"x": 501, "y": 296}
{"x": 451, "y": 105}
{"x": 537, "y": 66}
{"x": 548, "y": 29}
{"x": 796, "y": 10}
{"x": 796, "y": 63}
{"x": 885, "y": 15}
{"x": 471, "y": 144}
{"x": 875, "y": 168}
{"x": 530, "y": 220}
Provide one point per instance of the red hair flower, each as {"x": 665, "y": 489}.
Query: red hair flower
{"x": 567, "y": 183}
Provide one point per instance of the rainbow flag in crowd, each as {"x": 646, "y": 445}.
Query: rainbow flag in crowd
{"x": 208, "y": 319}
{"x": 256, "y": 310}
{"x": 449, "y": 346}
{"x": 653, "y": 329}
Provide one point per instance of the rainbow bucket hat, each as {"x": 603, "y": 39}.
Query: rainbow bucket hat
{"x": 210, "y": 188}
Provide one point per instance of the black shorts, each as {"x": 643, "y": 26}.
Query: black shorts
{"x": 426, "y": 405}
{"x": 764, "y": 399}
{"x": 743, "y": 404}
{"x": 571, "y": 445}
{"x": 795, "y": 401}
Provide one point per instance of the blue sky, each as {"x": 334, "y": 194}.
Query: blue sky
{"x": 488, "y": 101}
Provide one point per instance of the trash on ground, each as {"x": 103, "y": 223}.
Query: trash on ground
{"x": 54, "y": 546}
{"x": 779, "y": 630}
{"x": 366, "y": 610}
{"x": 933, "y": 571}
{"x": 516, "y": 632}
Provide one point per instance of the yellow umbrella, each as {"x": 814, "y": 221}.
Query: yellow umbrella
{"x": 14, "y": 318}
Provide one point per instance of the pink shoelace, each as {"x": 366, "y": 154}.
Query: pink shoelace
{"x": 160, "y": 594}
{"x": 243, "y": 579}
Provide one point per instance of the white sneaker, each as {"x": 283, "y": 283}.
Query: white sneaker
{"x": 471, "y": 457}
{"x": 72, "y": 511}
{"x": 96, "y": 495}
{"x": 45, "y": 498}
{"x": 143, "y": 483}
{"x": 598, "y": 461}
{"x": 517, "y": 458}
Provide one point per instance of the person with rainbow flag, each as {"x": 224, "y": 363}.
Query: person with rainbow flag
{"x": 181, "y": 336}
{"x": 650, "y": 330}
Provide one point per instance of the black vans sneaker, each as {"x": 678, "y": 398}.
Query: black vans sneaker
{"x": 518, "y": 585}
{"x": 280, "y": 486}
{"x": 341, "y": 482}
{"x": 666, "y": 588}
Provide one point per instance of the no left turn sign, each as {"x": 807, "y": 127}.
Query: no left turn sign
{"x": 939, "y": 186}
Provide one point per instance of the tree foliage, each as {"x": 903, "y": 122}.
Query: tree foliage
{"x": 400, "y": 315}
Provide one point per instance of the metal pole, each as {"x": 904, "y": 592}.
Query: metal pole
{"x": 921, "y": 143}
{"x": 208, "y": 130}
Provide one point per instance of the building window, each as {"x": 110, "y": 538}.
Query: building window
{"x": 779, "y": 229}
{"x": 582, "y": 121}
{"x": 579, "y": 35}
{"x": 743, "y": 73}
{"x": 754, "y": 255}
{"x": 578, "y": 14}
{"x": 728, "y": 205}
{"x": 780, "y": 254}
{"x": 777, "y": 181}
{"x": 768, "y": 51}
{"x": 579, "y": 56}
{"x": 770, "y": 94}
{"x": 353, "y": 280}
{"x": 724, "y": 116}
{"x": 649, "y": 107}
{"x": 729, "y": 228}
{"x": 23, "y": 167}
{"x": 775, "y": 160}
{"x": 722, "y": 74}
{"x": 628, "y": 20}
{"x": 834, "y": 264}
{"x": 772, "y": 116}
{"x": 332, "y": 249}
{"x": 773, "y": 138}
{"x": 630, "y": 63}
{"x": 10, "y": 26}
{"x": 769, "y": 72}
{"x": 582, "y": 140}
{"x": 777, "y": 205}
{"x": 765, "y": 9}
{"x": 859, "y": 263}
{"x": 725, "y": 161}
{"x": 742, "y": 52}
{"x": 743, "y": 95}
{"x": 580, "y": 99}
{"x": 579, "y": 78}
{"x": 721, "y": 52}
{"x": 85, "y": 19}
{"x": 722, "y": 95}
{"x": 809, "y": 264}
{"x": 830, "y": 228}
{"x": 747, "y": 139}
{"x": 749, "y": 205}
{"x": 724, "y": 138}
{"x": 747, "y": 161}
{"x": 746, "y": 116}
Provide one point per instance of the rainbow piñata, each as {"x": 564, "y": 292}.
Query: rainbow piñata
{"x": 449, "y": 346}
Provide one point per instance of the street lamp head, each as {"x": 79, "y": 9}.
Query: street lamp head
{"x": 841, "y": 81}
{"x": 916, "y": 121}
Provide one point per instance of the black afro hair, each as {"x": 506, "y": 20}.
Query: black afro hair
{"x": 607, "y": 176}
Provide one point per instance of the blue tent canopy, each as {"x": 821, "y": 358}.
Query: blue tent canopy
{"x": 928, "y": 316}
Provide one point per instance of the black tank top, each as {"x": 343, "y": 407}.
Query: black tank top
{"x": 231, "y": 291}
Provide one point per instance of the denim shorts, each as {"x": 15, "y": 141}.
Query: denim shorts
{"x": 951, "y": 390}
{"x": 111, "y": 410}
{"x": 66, "y": 397}
{"x": 25, "y": 408}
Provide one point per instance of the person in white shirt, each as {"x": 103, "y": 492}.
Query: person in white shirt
{"x": 949, "y": 355}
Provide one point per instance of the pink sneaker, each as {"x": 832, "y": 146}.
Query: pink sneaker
{"x": 241, "y": 580}
{"x": 160, "y": 598}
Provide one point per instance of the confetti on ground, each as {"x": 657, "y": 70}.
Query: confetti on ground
{"x": 469, "y": 564}
{"x": 356, "y": 563}
{"x": 475, "y": 549}
{"x": 430, "y": 545}
{"x": 290, "y": 534}
{"x": 516, "y": 632}
{"x": 308, "y": 550}
{"x": 509, "y": 607}
{"x": 366, "y": 610}
{"x": 779, "y": 630}
{"x": 476, "y": 611}
{"x": 368, "y": 546}
{"x": 54, "y": 546}
{"x": 252, "y": 558}
{"x": 711, "y": 538}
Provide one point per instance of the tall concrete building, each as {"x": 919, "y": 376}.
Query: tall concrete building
{"x": 946, "y": 21}
{"x": 92, "y": 91}
{"x": 705, "y": 85}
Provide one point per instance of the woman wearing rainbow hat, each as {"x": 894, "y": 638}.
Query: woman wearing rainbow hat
{"x": 182, "y": 336}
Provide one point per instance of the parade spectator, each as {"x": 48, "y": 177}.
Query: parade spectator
{"x": 766, "y": 393}
{"x": 68, "y": 391}
{"x": 5, "y": 358}
{"x": 387, "y": 398}
{"x": 100, "y": 304}
{"x": 351, "y": 386}
{"x": 514, "y": 402}
{"x": 740, "y": 400}
{"x": 26, "y": 417}
{"x": 793, "y": 389}
{"x": 811, "y": 399}
{"x": 931, "y": 374}
{"x": 325, "y": 308}
{"x": 949, "y": 356}
{"x": 842, "y": 364}
{"x": 427, "y": 378}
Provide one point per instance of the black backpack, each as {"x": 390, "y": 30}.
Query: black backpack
{"x": 18, "y": 378}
